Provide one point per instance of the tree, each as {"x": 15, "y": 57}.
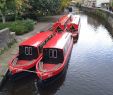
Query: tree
{"x": 19, "y": 6}
{"x": 3, "y": 9}
{"x": 64, "y": 3}
{"x": 11, "y": 7}
{"x": 45, "y": 7}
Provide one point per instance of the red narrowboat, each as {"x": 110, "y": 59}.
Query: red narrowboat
{"x": 61, "y": 24}
{"x": 56, "y": 54}
{"x": 74, "y": 26}
{"x": 30, "y": 52}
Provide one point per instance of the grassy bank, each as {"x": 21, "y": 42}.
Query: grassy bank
{"x": 19, "y": 27}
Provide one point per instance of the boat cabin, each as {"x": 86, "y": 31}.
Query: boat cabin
{"x": 61, "y": 24}
{"x": 32, "y": 47}
{"x": 55, "y": 50}
{"x": 74, "y": 25}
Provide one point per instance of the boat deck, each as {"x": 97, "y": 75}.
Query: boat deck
{"x": 48, "y": 67}
{"x": 17, "y": 62}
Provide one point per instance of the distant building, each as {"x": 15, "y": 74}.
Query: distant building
{"x": 96, "y": 3}
{"x": 100, "y": 3}
{"x": 76, "y": 1}
{"x": 105, "y": 5}
{"x": 89, "y": 3}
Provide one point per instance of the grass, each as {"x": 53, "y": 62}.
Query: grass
{"x": 19, "y": 27}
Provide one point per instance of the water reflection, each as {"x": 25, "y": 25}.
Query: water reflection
{"x": 94, "y": 23}
{"x": 29, "y": 86}
{"x": 54, "y": 86}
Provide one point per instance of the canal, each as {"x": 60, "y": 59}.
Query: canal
{"x": 89, "y": 71}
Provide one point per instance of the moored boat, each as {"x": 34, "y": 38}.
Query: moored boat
{"x": 56, "y": 54}
{"x": 61, "y": 24}
{"x": 30, "y": 52}
{"x": 74, "y": 26}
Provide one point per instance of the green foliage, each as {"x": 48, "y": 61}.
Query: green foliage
{"x": 12, "y": 7}
{"x": 78, "y": 5}
{"x": 19, "y": 27}
{"x": 112, "y": 4}
{"x": 64, "y": 3}
{"x": 45, "y": 7}
{"x": 31, "y": 8}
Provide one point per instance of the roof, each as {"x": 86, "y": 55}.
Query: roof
{"x": 37, "y": 39}
{"x": 58, "y": 41}
{"x": 61, "y": 22}
{"x": 76, "y": 19}
{"x": 63, "y": 19}
{"x": 57, "y": 24}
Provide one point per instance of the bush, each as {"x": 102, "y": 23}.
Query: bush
{"x": 19, "y": 27}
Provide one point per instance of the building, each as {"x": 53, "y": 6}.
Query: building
{"x": 77, "y": 1}
{"x": 100, "y": 3}
{"x": 89, "y": 3}
{"x": 96, "y": 3}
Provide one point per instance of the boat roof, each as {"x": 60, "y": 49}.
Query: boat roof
{"x": 57, "y": 24}
{"x": 64, "y": 18}
{"x": 37, "y": 39}
{"x": 61, "y": 22}
{"x": 75, "y": 19}
{"x": 58, "y": 41}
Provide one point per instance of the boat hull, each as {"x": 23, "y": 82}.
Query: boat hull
{"x": 17, "y": 69}
{"x": 46, "y": 76}
{"x": 20, "y": 75}
{"x": 50, "y": 81}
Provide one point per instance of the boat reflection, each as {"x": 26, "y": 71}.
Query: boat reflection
{"x": 52, "y": 86}
{"x": 29, "y": 86}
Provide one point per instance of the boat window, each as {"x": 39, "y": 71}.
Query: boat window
{"x": 53, "y": 53}
{"x": 28, "y": 50}
{"x": 50, "y": 53}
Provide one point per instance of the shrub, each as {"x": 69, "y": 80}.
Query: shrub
{"x": 20, "y": 26}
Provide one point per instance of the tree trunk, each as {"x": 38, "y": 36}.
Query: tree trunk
{"x": 3, "y": 18}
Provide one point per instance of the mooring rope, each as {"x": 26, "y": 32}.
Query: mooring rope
{"x": 22, "y": 70}
{"x": 26, "y": 70}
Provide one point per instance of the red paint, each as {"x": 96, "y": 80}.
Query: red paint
{"x": 35, "y": 41}
{"x": 59, "y": 41}
{"x": 75, "y": 23}
{"x": 62, "y": 22}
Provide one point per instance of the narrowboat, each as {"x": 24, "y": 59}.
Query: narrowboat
{"x": 56, "y": 54}
{"x": 61, "y": 24}
{"x": 74, "y": 26}
{"x": 30, "y": 52}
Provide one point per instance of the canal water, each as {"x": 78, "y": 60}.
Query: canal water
{"x": 89, "y": 71}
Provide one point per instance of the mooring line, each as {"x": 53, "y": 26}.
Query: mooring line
{"x": 1, "y": 67}
{"x": 26, "y": 70}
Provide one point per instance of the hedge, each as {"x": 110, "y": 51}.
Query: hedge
{"x": 19, "y": 27}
